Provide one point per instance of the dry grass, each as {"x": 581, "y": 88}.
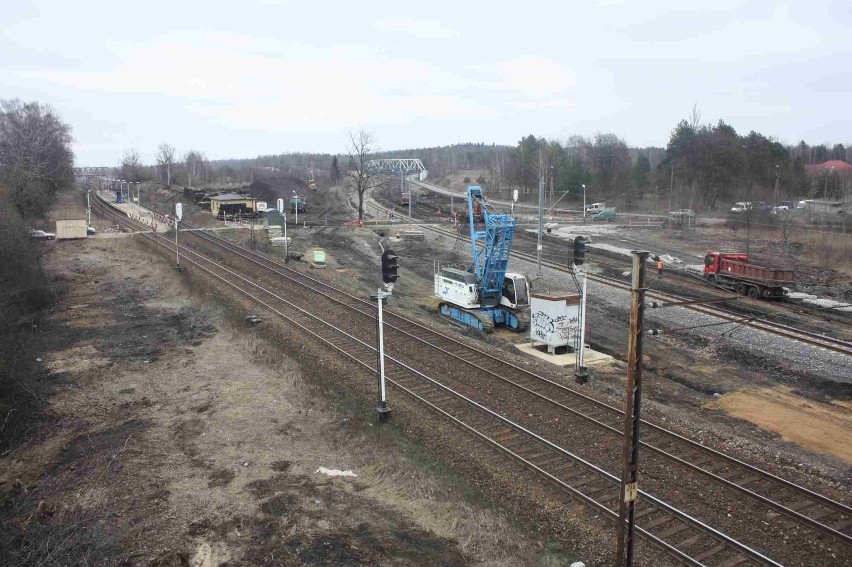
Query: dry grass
{"x": 828, "y": 250}
{"x": 482, "y": 535}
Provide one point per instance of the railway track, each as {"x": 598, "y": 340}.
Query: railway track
{"x": 771, "y": 491}
{"x": 760, "y": 309}
{"x": 676, "y": 533}
{"x": 814, "y": 339}
{"x": 584, "y": 480}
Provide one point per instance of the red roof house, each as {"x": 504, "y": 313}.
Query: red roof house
{"x": 837, "y": 165}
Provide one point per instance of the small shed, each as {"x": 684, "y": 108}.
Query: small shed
{"x": 232, "y": 201}
{"x": 72, "y": 228}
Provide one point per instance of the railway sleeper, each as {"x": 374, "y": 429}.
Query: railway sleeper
{"x": 598, "y": 489}
{"x": 690, "y": 541}
{"x": 673, "y": 530}
{"x": 706, "y": 554}
{"x": 585, "y": 481}
{"x": 733, "y": 561}
{"x": 821, "y": 512}
{"x": 536, "y": 456}
{"x": 645, "y": 510}
{"x": 801, "y": 504}
{"x": 663, "y": 518}
{"x": 553, "y": 458}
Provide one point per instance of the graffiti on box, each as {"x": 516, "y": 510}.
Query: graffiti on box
{"x": 562, "y": 328}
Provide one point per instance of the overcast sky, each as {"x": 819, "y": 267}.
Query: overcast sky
{"x": 239, "y": 79}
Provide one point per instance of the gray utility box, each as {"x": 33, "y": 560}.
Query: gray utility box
{"x": 554, "y": 319}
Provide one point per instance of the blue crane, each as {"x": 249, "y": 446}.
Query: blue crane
{"x": 485, "y": 295}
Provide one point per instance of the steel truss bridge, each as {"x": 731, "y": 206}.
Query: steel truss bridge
{"x": 81, "y": 171}
{"x": 402, "y": 165}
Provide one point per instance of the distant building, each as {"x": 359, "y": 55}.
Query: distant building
{"x": 231, "y": 202}
{"x": 825, "y": 206}
{"x": 836, "y": 165}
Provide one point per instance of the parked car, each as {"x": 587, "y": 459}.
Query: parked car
{"x": 607, "y": 215}
{"x": 682, "y": 213}
{"x": 741, "y": 207}
{"x": 41, "y": 235}
{"x": 595, "y": 207}
{"x": 91, "y": 230}
{"x": 780, "y": 209}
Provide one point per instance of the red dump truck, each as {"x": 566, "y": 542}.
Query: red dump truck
{"x": 732, "y": 271}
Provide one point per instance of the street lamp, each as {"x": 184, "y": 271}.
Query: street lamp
{"x": 584, "y": 202}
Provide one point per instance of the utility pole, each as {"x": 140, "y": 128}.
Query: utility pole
{"x": 776, "y": 184}
{"x": 551, "y": 188}
{"x": 178, "y": 218}
{"x": 632, "y": 405}
{"x": 540, "y": 212}
{"x": 409, "y": 200}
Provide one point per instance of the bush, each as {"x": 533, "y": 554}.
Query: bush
{"x": 24, "y": 290}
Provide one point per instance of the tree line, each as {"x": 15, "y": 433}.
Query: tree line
{"x": 36, "y": 161}
{"x": 703, "y": 166}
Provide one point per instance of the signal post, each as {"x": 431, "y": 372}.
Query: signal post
{"x": 390, "y": 273}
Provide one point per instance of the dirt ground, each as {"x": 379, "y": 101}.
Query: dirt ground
{"x": 820, "y": 427}
{"x": 181, "y": 438}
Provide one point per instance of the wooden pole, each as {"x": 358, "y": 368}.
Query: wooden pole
{"x": 632, "y": 404}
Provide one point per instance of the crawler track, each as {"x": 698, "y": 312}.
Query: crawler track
{"x": 661, "y": 524}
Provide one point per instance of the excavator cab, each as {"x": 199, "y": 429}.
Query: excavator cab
{"x": 516, "y": 291}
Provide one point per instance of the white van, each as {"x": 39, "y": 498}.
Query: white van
{"x": 595, "y": 207}
{"x": 741, "y": 207}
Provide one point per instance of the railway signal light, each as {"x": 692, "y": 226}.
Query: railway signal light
{"x": 390, "y": 266}
{"x": 579, "y": 250}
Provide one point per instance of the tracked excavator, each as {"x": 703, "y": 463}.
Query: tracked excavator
{"x": 485, "y": 295}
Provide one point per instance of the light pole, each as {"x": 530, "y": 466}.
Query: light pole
{"x": 776, "y": 184}
{"x": 584, "y": 203}
{"x": 296, "y": 206}
{"x": 551, "y": 186}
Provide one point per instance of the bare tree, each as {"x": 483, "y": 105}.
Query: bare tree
{"x": 131, "y": 165}
{"x": 166, "y": 159}
{"x": 610, "y": 161}
{"x": 35, "y": 154}
{"x": 195, "y": 165}
{"x": 360, "y": 148}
